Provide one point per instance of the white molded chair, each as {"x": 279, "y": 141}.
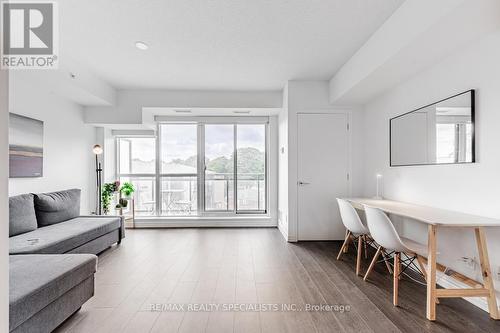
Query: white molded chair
{"x": 385, "y": 235}
{"x": 356, "y": 230}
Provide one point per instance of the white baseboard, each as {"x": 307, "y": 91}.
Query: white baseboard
{"x": 283, "y": 229}
{"x": 200, "y": 222}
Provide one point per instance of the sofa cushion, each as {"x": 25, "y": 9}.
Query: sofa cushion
{"x": 56, "y": 207}
{"x": 22, "y": 216}
{"x": 63, "y": 237}
{"x": 38, "y": 280}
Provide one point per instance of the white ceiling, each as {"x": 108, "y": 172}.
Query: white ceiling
{"x": 216, "y": 44}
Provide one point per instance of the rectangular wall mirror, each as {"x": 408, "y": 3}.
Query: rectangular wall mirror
{"x": 439, "y": 133}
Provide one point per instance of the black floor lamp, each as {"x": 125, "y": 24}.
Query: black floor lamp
{"x": 98, "y": 170}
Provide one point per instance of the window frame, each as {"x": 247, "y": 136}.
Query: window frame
{"x": 117, "y": 157}
{"x": 202, "y": 143}
{"x": 119, "y": 175}
{"x": 200, "y": 175}
{"x": 160, "y": 175}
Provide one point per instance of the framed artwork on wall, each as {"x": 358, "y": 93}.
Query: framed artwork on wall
{"x": 25, "y": 147}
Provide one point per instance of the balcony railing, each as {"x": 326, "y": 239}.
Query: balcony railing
{"x": 178, "y": 195}
{"x": 250, "y": 191}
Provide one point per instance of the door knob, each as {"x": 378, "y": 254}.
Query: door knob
{"x": 301, "y": 183}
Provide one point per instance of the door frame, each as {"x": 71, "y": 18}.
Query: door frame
{"x": 348, "y": 114}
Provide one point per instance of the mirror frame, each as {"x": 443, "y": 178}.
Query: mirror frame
{"x": 473, "y": 122}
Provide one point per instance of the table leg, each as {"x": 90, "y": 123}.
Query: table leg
{"x": 431, "y": 273}
{"x": 486, "y": 272}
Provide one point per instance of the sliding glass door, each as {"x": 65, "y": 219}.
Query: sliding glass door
{"x": 235, "y": 180}
{"x": 219, "y": 167}
{"x": 179, "y": 169}
{"x": 137, "y": 165}
{"x": 251, "y": 168}
{"x": 197, "y": 168}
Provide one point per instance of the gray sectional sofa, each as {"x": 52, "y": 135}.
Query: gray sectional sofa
{"x": 46, "y": 289}
{"x": 53, "y": 257}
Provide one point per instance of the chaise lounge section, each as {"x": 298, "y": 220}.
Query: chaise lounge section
{"x": 53, "y": 257}
{"x": 46, "y": 289}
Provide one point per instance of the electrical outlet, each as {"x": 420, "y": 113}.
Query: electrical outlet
{"x": 470, "y": 262}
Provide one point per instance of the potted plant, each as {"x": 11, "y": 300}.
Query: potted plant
{"x": 127, "y": 190}
{"x": 108, "y": 190}
{"x": 118, "y": 207}
{"x": 123, "y": 203}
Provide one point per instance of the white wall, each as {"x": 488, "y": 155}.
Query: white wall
{"x": 304, "y": 97}
{"x": 68, "y": 159}
{"x": 4, "y": 208}
{"x": 283, "y": 166}
{"x": 130, "y": 103}
{"x": 109, "y": 163}
{"x": 470, "y": 188}
{"x": 417, "y": 35}
{"x": 84, "y": 88}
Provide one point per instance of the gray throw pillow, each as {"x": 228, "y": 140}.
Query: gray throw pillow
{"x": 22, "y": 216}
{"x": 56, "y": 207}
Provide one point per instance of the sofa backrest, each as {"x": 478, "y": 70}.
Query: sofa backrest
{"x": 56, "y": 207}
{"x": 22, "y": 217}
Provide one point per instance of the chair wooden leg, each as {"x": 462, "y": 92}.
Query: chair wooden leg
{"x": 386, "y": 262}
{"x": 346, "y": 248}
{"x": 397, "y": 261}
{"x": 344, "y": 245}
{"x": 360, "y": 251}
{"x": 365, "y": 240}
{"x": 374, "y": 260}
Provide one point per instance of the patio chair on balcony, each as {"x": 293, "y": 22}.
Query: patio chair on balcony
{"x": 185, "y": 206}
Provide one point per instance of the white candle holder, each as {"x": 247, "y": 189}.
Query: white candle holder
{"x": 378, "y": 196}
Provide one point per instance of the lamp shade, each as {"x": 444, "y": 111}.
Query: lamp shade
{"x": 97, "y": 149}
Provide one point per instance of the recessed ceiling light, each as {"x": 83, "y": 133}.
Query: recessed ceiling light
{"x": 183, "y": 111}
{"x": 241, "y": 111}
{"x": 141, "y": 45}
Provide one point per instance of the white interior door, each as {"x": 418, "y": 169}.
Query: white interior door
{"x": 323, "y": 153}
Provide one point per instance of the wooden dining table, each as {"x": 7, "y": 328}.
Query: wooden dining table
{"x": 436, "y": 219}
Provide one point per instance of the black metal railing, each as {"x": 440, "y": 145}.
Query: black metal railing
{"x": 177, "y": 199}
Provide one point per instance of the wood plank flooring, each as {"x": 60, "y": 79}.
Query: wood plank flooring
{"x": 157, "y": 267}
